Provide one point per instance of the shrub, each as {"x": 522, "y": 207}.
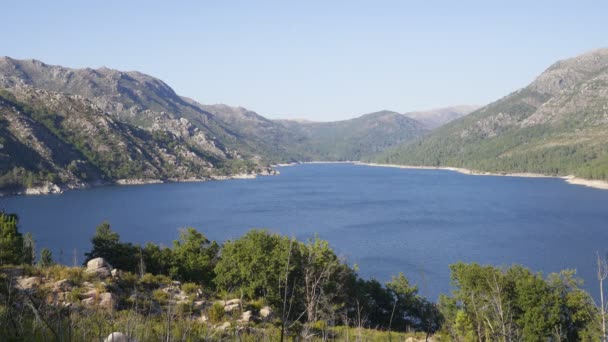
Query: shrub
{"x": 190, "y": 288}
{"x": 216, "y": 312}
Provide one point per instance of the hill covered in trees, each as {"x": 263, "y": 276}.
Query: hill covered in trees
{"x": 556, "y": 126}
{"x": 267, "y": 287}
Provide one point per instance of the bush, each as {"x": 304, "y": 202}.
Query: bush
{"x": 190, "y": 288}
{"x": 160, "y": 296}
{"x": 216, "y": 312}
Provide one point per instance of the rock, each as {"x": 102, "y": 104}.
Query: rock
{"x": 104, "y": 300}
{"x": 107, "y": 301}
{"x": 204, "y": 318}
{"x": 89, "y": 294}
{"x": 28, "y": 283}
{"x": 224, "y": 326}
{"x": 233, "y": 301}
{"x": 88, "y": 301}
{"x": 97, "y": 263}
{"x": 231, "y": 307}
{"x": 118, "y": 337}
{"x": 199, "y": 304}
{"x": 116, "y": 273}
{"x": 63, "y": 285}
{"x": 266, "y": 312}
{"x": 99, "y": 267}
{"x": 246, "y": 317}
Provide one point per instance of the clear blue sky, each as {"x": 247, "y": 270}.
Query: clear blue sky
{"x": 320, "y": 60}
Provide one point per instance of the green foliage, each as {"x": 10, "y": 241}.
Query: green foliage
{"x": 254, "y": 265}
{"x": 46, "y": 258}
{"x": 11, "y": 241}
{"x": 194, "y": 257}
{"x": 516, "y": 304}
{"x": 106, "y": 244}
{"x": 29, "y": 249}
{"x": 216, "y": 312}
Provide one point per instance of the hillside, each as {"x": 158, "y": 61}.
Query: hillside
{"x": 556, "y": 126}
{"x": 50, "y": 139}
{"x": 71, "y": 128}
{"x": 438, "y": 117}
{"x": 355, "y": 138}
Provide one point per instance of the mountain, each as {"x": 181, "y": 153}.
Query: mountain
{"x": 438, "y": 117}
{"x": 272, "y": 140}
{"x": 557, "y": 125}
{"x": 76, "y": 127}
{"x": 352, "y": 139}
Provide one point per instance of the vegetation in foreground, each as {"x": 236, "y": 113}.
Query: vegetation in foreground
{"x": 267, "y": 287}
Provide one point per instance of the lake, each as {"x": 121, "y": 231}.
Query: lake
{"x": 385, "y": 220}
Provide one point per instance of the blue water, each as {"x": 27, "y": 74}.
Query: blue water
{"x": 384, "y": 220}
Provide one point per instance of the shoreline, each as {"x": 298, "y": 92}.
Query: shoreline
{"x": 57, "y": 189}
{"x": 570, "y": 179}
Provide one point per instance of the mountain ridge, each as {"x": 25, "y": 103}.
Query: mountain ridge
{"x": 554, "y": 126}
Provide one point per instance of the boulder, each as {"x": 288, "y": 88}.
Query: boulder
{"x": 118, "y": 337}
{"x": 107, "y": 301}
{"x": 224, "y": 326}
{"x": 233, "y": 301}
{"x": 266, "y": 312}
{"x": 28, "y": 283}
{"x": 99, "y": 267}
{"x": 246, "y": 317}
{"x": 89, "y": 294}
{"x": 104, "y": 300}
{"x": 63, "y": 285}
{"x": 116, "y": 273}
{"x": 231, "y": 307}
{"x": 97, "y": 263}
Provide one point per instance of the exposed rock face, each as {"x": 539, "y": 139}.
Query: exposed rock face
{"x": 438, "y": 117}
{"x": 99, "y": 267}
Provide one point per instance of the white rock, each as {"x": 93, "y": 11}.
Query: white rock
{"x": 28, "y": 283}
{"x": 265, "y": 312}
{"x": 118, "y": 337}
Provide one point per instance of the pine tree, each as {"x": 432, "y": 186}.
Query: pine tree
{"x": 11, "y": 241}
{"x": 46, "y": 258}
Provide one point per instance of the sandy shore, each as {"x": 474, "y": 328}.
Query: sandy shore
{"x": 597, "y": 184}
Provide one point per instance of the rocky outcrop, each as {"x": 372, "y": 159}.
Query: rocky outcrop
{"x": 99, "y": 267}
{"x": 28, "y": 283}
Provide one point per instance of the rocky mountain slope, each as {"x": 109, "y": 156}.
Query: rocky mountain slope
{"x": 49, "y": 139}
{"x": 438, "y": 117}
{"x": 70, "y": 128}
{"x": 558, "y": 125}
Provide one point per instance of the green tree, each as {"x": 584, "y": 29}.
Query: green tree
{"x": 194, "y": 257}
{"x": 11, "y": 240}
{"x": 255, "y": 265}
{"x": 106, "y": 244}
{"x": 46, "y": 258}
{"x": 29, "y": 249}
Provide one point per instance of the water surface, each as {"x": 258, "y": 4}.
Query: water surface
{"x": 385, "y": 220}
